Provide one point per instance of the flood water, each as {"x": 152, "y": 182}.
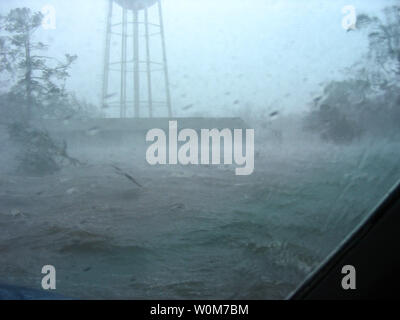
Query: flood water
{"x": 197, "y": 232}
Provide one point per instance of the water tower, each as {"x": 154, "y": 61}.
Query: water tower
{"x": 130, "y": 63}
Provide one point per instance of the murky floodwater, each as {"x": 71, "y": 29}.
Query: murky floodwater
{"x": 189, "y": 232}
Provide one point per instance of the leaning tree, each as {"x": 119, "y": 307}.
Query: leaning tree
{"x": 36, "y": 85}
{"x": 36, "y": 77}
{"x": 384, "y": 44}
{"x": 368, "y": 101}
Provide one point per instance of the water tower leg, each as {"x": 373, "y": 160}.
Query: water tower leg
{"x": 136, "y": 78}
{"x": 107, "y": 55}
{"x": 123, "y": 63}
{"x": 168, "y": 94}
{"x": 148, "y": 63}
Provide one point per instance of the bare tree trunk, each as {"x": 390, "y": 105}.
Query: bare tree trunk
{"x": 28, "y": 76}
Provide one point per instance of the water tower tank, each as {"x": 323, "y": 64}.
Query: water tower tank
{"x": 135, "y": 5}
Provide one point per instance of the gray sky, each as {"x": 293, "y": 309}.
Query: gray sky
{"x": 268, "y": 54}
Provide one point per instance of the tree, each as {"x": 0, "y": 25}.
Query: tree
{"x": 36, "y": 81}
{"x": 368, "y": 101}
{"x": 38, "y": 78}
{"x": 384, "y": 44}
{"x": 5, "y": 64}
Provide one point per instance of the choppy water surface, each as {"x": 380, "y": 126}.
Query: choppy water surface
{"x": 190, "y": 232}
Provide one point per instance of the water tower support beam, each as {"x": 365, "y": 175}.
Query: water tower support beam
{"x": 129, "y": 59}
{"x": 124, "y": 62}
{"x": 164, "y": 49}
{"x": 107, "y": 53}
{"x": 136, "y": 63}
{"x": 148, "y": 65}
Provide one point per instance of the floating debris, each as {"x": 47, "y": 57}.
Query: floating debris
{"x": 110, "y": 95}
{"x": 126, "y": 175}
{"x": 318, "y": 99}
{"x": 69, "y": 117}
{"x": 93, "y": 131}
{"x": 72, "y": 191}
{"x": 16, "y": 213}
{"x": 188, "y": 107}
{"x": 177, "y": 206}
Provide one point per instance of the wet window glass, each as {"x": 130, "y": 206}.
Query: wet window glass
{"x": 187, "y": 149}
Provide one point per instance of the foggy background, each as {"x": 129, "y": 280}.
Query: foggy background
{"x": 224, "y": 56}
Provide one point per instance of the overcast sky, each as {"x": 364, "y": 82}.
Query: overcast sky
{"x": 223, "y": 54}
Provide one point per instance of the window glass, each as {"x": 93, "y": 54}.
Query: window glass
{"x": 84, "y": 83}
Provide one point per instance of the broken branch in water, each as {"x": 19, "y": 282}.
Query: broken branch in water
{"x": 126, "y": 175}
